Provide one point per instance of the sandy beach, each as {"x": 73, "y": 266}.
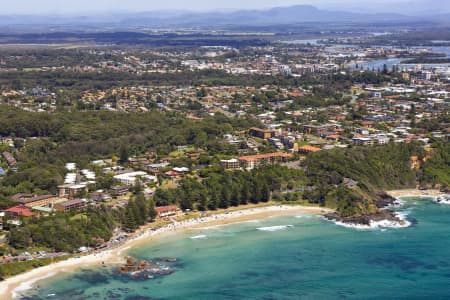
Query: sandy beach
{"x": 415, "y": 193}
{"x": 12, "y": 287}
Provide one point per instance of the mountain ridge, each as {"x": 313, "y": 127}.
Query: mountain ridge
{"x": 297, "y": 14}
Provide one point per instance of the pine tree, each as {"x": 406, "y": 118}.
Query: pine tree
{"x": 265, "y": 192}
{"x": 256, "y": 196}
{"x": 225, "y": 198}
{"x": 142, "y": 208}
{"x": 123, "y": 155}
{"x": 235, "y": 195}
{"x": 245, "y": 193}
{"x": 213, "y": 201}
{"x": 202, "y": 201}
{"x": 152, "y": 213}
{"x": 130, "y": 219}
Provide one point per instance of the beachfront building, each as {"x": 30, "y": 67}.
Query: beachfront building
{"x": 254, "y": 161}
{"x": 167, "y": 211}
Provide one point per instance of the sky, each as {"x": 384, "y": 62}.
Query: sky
{"x": 74, "y": 7}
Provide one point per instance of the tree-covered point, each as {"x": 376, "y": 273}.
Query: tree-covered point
{"x": 436, "y": 169}
{"x": 353, "y": 180}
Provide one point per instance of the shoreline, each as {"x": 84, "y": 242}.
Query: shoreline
{"x": 415, "y": 193}
{"x": 13, "y": 287}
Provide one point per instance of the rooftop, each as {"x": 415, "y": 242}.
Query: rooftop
{"x": 309, "y": 148}
{"x": 72, "y": 202}
{"x": 20, "y": 210}
{"x": 163, "y": 209}
{"x": 265, "y": 156}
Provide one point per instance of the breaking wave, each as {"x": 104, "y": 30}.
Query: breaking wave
{"x": 274, "y": 228}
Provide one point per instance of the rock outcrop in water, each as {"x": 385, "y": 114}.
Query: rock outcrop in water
{"x": 146, "y": 269}
{"x": 382, "y": 215}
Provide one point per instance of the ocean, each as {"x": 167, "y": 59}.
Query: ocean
{"x": 298, "y": 257}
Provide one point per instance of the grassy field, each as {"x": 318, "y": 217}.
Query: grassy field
{"x": 12, "y": 269}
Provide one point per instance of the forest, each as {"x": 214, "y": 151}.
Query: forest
{"x": 55, "y": 139}
{"x": 222, "y": 189}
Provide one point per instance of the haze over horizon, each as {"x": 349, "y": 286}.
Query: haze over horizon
{"x": 91, "y": 7}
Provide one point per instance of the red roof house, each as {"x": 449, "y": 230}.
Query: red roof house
{"x": 18, "y": 211}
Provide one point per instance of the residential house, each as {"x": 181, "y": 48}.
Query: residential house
{"x": 173, "y": 174}
{"x": 308, "y": 149}
{"x": 362, "y": 141}
{"x": 156, "y": 168}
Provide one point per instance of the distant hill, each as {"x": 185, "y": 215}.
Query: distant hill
{"x": 279, "y": 15}
{"x": 299, "y": 14}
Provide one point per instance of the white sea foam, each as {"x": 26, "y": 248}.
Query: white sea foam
{"x": 442, "y": 199}
{"x": 251, "y": 221}
{"x": 397, "y": 203}
{"x": 197, "y": 237}
{"x": 444, "y": 202}
{"x": 382, "y": 224}
{"x": 28, "y": 285}
{"x": 274, "y": 228}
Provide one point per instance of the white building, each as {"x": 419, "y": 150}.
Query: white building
{"x": 132, "y": 177}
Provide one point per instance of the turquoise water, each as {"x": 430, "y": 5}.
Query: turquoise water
{"x": 312, "y": 259}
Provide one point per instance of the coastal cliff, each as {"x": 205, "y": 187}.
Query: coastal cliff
{"x": 353, "y": 181}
